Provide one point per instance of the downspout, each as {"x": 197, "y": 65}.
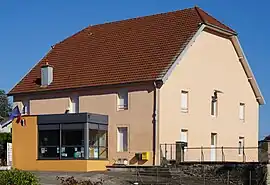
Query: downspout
{"x": 155, "y": 122}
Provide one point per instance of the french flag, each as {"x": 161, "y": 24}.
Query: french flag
{"x": 14, "y": 114}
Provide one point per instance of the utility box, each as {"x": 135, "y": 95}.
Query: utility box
{"x": 138, "y": 156}
{"x": 180, "y": 151}
{"x": 145, "y": 156}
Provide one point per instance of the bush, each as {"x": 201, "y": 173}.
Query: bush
{"x": 18, "y": 177}
{"x": 4, "y": 139}
{"x": 73, "y": 181}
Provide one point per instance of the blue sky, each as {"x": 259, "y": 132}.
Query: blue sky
{"x": 29, "y": 28}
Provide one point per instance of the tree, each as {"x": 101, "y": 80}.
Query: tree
{"x": 5, "y": 106}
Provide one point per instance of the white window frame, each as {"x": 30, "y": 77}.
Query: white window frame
{"x": 184, "y": 101}
{"x": 122, "y": 147}
{"x": 184, "y": 135}
{"x": 242, "y": 109}
{"x": 241, "y": 145}
{"x": 74, "y": 104}
{"x": 214, "y": 107}
{"x": 25, "y": 107}
{"x": 122, "y": 100}
{"x": 214, "y": 139}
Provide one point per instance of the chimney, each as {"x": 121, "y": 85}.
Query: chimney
{"x": 46, "y": 74}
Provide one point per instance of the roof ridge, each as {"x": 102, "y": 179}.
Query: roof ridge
{"x": 141, "y": 17}
{"x": 200, "y": 11}
{"x": 119, "y": 21}
{"x": 200, "y": 16}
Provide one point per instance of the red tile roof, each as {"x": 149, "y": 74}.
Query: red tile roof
{"x": 134, "y": 50}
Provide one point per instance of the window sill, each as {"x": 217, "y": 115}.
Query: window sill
{"x": 184, "y": 110}
{"x": 122, "y": 151}
{"x": 122, "y": 109}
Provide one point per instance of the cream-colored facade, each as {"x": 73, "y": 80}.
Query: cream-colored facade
{"x": 210, "y": 63}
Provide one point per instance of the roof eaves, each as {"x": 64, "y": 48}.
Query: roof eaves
{"x": 10, "y": 93}
{"x": 248, "y": 71}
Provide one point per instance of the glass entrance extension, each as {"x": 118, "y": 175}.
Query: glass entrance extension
{"x": 73, "y": 136}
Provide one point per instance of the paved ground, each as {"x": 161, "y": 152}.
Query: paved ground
{"x": 120, "y": 178}
{"x": 110, "y": 178}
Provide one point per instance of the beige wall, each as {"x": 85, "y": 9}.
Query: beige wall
{"x": 211, "y": 63}
{"x": 138, "y": 117}
{"x": 44, "y": 104}
{"x": 49, "y": 106}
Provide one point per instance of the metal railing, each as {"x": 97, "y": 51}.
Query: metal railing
{"x": 198, "y": 174}
{"x": 173, "y": 152}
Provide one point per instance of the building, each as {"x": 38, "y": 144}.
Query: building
{"x": 160, "y": 79}
{"x": 264, "y": 150}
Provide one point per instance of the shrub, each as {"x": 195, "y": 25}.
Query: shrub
{"x": 18, "y": 177}
{"x": 72, "y": 181}
{"x": 4, "y": 139}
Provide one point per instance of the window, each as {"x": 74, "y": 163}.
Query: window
{"x": 214, "y": 106}
{"x": 184, "y": 101}
{"x": 122, "y": 100}
{"x": 241, "y": 146}
{"x": 72, "y": 141}
{"x": 98, "y": 144}
{"x": 25, "y": 108}
{"x": 74, "y": 104}
{"x": 213, "y": 150}
{"x": 184, "y": 136}
{"x": 213, "y": 139}
{"x": 49, "y": 141}
{"x": 68, "y": 141}
{"x": 122, "y": 139}
{"x": 242, "y": 111}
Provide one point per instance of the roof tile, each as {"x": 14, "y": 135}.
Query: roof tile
{"x": 134, "y": 50}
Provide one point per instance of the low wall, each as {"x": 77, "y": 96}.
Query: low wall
{"x": 202, "y": 174}
{"x": 235, "y": 174}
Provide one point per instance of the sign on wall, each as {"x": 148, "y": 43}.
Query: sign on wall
{"x": 9, "y": 154}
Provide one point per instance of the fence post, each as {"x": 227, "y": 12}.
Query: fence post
{"x": 165, "y": 151}
{"x": 202, "y": 157}
{"x": 160, "y": 154}
{"x": 223, "y": 157}
{"x": 244, "y": 154}
{"x": 171, "y": 152}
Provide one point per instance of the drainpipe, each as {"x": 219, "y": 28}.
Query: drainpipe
{"x": 155, "y": 122}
